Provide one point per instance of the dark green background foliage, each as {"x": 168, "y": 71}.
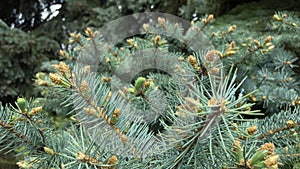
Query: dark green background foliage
{"x": 21, "y": 55}
{"x": 37, "y": 39}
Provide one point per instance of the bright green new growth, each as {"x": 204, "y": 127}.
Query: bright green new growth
{"x": 139, "y": 82}
{"x": 21, "y": 103}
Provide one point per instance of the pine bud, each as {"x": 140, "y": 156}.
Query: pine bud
{"x": 117, "y": 112}
{"x": 64, "y": 69}
{"x": 35, "y": 111}
{"x": 24, "y": 164}
{"x": 89, "y": 111}
{"x": 146, "y": 84}
{"x": 268, "y": 39}
{"x": 258, "y": 157}
{"x": 271, "y": 47}
{"x": 214, "y": 71}
{"x": 139, "y": 82}
{"x": 268, "y": 44}
{"x": 210, "y": 17}
{"x": 84, "y": 86}
{"x": 62, "y": 53}
{"x": 163, "y": 42}
{"x": 55, "y": 66}
{"x": 284, "y": 15}
{"x": 88, "y": 32}
{"x": 78, "y": 37}
{"x": 238, "y": 151}
{"x": 49, "y": 151}
{"x": 130, "y": 41}
{"x": 146, "y": 27}
{"x": 87, "y": 69}
{"x": 287, "y": 62}
{"x": 272, "y": 160}
{"x": 253, "y": 98}
{"x": 109, "y": 96}
{"x": 72, "y": 35}
{"x": 230, "y": 52}
{"x": 268, "y": 146}
{"x": 55, "y": 78}
{"x": 251, "y": 130}
{"x": 176, "y": 26}
{"x": 21, "y": 103}
{"x": 212, "y": 54}
{"x": 276, "y": 17}
{"x": 124, "y": 138}
{"x": 232, "y": 44}
{"x": 290, "y": 123}
{"x": 192, "y": 60}
{"x": 256, "y": 42}
{"x": 157, "y": 39}
{"x": 231, "y": 28}
{"x": 105, "y": 79}
{"x": 112, "y": 160}
{"x": 71, "y": 41}
{"x": 161, "y": 21}
{"x": 95, "y": 33}
{"x": 131, "y": 90}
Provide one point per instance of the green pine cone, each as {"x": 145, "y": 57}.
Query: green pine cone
{"x": 139, "y": 83}
{"x": 239, "y": 155}
{"x": 258, "y": 157}
{"x": 260, "y": 165}
{"x": 21, "y": 103}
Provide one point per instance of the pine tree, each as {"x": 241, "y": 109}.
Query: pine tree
{"x": 191, "y": 115}
{"x": 167, "y": 98}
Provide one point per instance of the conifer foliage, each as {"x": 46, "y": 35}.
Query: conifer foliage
{"x": 165, "y": 99}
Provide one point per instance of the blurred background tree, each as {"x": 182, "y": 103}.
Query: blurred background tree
{"x": 33, "y": 31}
